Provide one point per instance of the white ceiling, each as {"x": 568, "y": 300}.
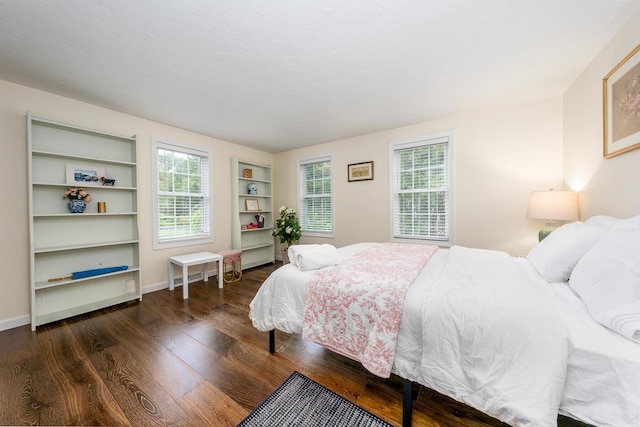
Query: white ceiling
{"x": 280, "y": 74}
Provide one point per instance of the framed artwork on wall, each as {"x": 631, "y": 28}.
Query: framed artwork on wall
{"x": 621, "y": 106}
{"x": 360, "y": 171}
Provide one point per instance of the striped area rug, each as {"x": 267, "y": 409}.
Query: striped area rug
{"x": 300, "y": 401}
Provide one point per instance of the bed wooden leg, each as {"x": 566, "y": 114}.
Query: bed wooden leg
{"x": 272, "y": 341}
{"x": 407, "y": 402}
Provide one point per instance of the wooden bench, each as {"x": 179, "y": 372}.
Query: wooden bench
{"x": 186, "y": 261}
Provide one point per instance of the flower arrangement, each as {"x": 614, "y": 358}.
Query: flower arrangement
{"x": 630, "y": 103}
{"x": 76, "y": 193}
{"x": 287, "y": 226}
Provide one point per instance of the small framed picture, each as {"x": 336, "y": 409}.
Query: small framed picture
{"x": 360, "y": 171}
{"x": 84, "y": 176}
{"x": 252, "y": 204}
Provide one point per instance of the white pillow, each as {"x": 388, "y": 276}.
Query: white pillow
{"x": 603, "y": 222}
{"x": 607, "y": 279}
{"x": 313, "y": 256}
{"x": 556, "y": 255}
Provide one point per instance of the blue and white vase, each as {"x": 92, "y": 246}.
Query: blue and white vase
{"x": 77, "y": 206}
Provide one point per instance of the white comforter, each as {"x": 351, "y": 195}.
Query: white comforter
{"x": 475, "y": 326}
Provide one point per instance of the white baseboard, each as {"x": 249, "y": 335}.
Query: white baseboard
{"x": 177, "y": 282}
{"x": 26, "y": 319}
{"x": 156, "y": 287}
{"x": 15, "y": 322}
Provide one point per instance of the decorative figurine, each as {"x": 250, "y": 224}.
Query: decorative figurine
{"x": 260, "y": 219}
{"x": 253, "y": 188}
{"x": 108, "y": 181}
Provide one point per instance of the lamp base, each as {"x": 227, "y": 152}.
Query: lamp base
{"x": 548, "y": 228}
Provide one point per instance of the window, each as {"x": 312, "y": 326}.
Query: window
{"x": 421, "y": 188}
{"x": 315, "y": 196}
{"x": 182, "y": 196}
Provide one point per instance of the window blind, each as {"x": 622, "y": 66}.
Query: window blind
{"x": 315, "y": 195}
{"x": 183, "y": 198}
{"x": 420, "y": 189}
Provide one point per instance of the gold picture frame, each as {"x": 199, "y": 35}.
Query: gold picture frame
{"x": 621, "y": 106}
{"x": 252, "y": 205}
{"x": 360, "y": 171}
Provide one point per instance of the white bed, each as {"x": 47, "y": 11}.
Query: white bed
{"x": 488, "y": 330}
{"x": 603, "y": 377}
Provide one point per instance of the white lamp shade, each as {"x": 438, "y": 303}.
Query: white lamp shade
{"x": 553, "y": 205}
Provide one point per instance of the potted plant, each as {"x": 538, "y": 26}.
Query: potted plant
{"x": 287, "y": 229}
{"x": 78, "y": 199}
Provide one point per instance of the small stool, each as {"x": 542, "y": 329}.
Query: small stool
{"x": 229, "y": 258}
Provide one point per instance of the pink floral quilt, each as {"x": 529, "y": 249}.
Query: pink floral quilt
{"x": 354, "y": 308}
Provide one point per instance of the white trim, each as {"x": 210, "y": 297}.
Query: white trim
{"x": 316, "y": 159}
{"x": 156, "y": 287}
{"x": 196, "y": 277}
{"x": 434, "y": 138}
{"x": 15, "y": 322}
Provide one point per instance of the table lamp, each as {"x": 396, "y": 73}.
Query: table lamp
{"x": 552, "y": 206}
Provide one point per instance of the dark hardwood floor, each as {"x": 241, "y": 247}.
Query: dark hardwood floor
{"x": 170, "y": 362}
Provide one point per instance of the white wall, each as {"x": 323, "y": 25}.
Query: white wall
{"x": 499, "y": 158}
{"x": 15, "y": 101}
{"x": 607, "y": 186}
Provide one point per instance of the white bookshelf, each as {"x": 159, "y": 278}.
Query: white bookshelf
{"x": 61, "y": 242}
{"x": 257, "y": 245}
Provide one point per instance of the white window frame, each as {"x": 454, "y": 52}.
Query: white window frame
{"x": 207, "y": 235}
{"x": 301, "y": 195}
{"x": 431, "y": 139}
